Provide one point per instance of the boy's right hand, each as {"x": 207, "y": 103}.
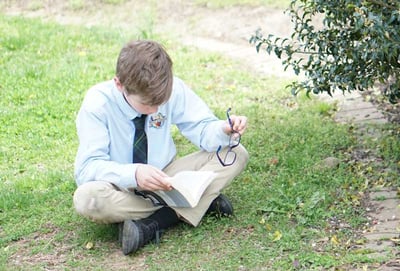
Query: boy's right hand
{"x": 151, "y": 178}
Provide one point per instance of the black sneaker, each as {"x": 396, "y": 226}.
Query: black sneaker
{"x": 221, "y": 206}
{"x": 136, "y": 234}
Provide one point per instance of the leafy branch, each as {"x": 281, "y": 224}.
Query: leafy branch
{"x": 355, "y": 46}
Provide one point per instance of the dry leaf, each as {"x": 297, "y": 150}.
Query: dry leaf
{"x": 361, "y": 241}
{"x": 334, "y": 240}
{"x": 89, "y": 245}
{"x": 274, "y": 161}
{"x": 277, "y": 236}
{"x": 395, "y": 240}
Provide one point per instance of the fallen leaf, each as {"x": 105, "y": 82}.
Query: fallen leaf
{"x": 89, "y": 245}
{"x": 277, "y": 236}
{"x": 395, "y": 240}
{"x": 361, "y": 241}
{"x": 274, "y": 161}
{"x": 334, "y": 240}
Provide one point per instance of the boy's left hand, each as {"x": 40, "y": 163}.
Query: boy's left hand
{"x": 239, "y": 124}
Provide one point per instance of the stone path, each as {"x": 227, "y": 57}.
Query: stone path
{"x": 352, "y": 108}
{"x": 383, "y": 237}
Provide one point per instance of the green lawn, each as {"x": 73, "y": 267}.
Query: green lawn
{"x": 283, "y": 201}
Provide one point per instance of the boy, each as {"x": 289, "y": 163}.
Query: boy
{"x": 113, "y": 164}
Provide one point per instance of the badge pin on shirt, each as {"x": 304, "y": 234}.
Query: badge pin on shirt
{"x": 157, "y": 121}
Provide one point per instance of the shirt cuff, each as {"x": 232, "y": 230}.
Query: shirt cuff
{"x": 128, "y": 177}
{"x": 221, "y": 134}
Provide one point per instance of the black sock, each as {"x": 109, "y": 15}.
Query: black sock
{"x": 166, "y": 217}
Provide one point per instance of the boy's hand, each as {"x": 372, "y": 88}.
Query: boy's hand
{"x": 151, "y": 178}
{"x": 239, "y": 124}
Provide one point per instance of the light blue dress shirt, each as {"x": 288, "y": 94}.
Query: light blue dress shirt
{"x": 106, "y": 132}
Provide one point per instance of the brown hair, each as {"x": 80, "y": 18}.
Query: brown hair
{"x": 144, "y": 68}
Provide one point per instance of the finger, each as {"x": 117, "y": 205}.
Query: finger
{"x": 162, "y": 181}
{"x": 152, "y": 185}
{"x": 241, "y": 124}
{"x": 160, "y": 173}
{"x": 238, "y": 123}
{"x": 148, "y": 186}
{"x": 227, "y": 128}
{"x": 165, "y": 184}
{"x": 152, "y": 179}
{"x": 241, "y": 129}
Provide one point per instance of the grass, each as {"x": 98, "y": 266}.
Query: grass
{"x": 283, "y": 201}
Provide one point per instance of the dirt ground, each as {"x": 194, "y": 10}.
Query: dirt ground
{"x": 183, "y": 18}
{"x": 226, "y": 30}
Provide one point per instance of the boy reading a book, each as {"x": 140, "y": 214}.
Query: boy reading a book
{"x": 126, "y": 146}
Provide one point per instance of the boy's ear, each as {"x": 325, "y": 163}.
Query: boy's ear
{"x": 118, "y": 83}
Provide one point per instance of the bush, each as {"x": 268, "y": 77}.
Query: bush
{"x": 341, "y": 45}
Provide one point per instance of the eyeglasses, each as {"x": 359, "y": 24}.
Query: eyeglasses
{"x": 234, "y": 140}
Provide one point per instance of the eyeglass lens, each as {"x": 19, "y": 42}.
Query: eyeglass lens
{"x": 230, "y": 158}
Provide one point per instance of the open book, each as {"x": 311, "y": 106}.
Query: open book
{"x": 188, "y": 187}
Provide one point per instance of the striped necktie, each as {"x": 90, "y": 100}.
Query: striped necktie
{"x": 140, "y": 141}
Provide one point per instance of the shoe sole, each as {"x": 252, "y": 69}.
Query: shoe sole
{"x": 130, "y": 237}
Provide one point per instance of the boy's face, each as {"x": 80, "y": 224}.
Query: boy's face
{"x": 135, "y": 101}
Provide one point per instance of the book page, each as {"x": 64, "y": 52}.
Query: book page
{"x": 192, "y": 184}
{"x": 188, "y": 187}
{"x": 174, "y": 198}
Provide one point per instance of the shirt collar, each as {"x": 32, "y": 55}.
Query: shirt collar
{"x": 124, "y": 106}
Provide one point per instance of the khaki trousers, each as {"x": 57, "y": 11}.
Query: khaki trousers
{"x": 103, "y": 202}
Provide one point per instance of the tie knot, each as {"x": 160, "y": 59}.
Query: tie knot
{"x": 139, "y": 122}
